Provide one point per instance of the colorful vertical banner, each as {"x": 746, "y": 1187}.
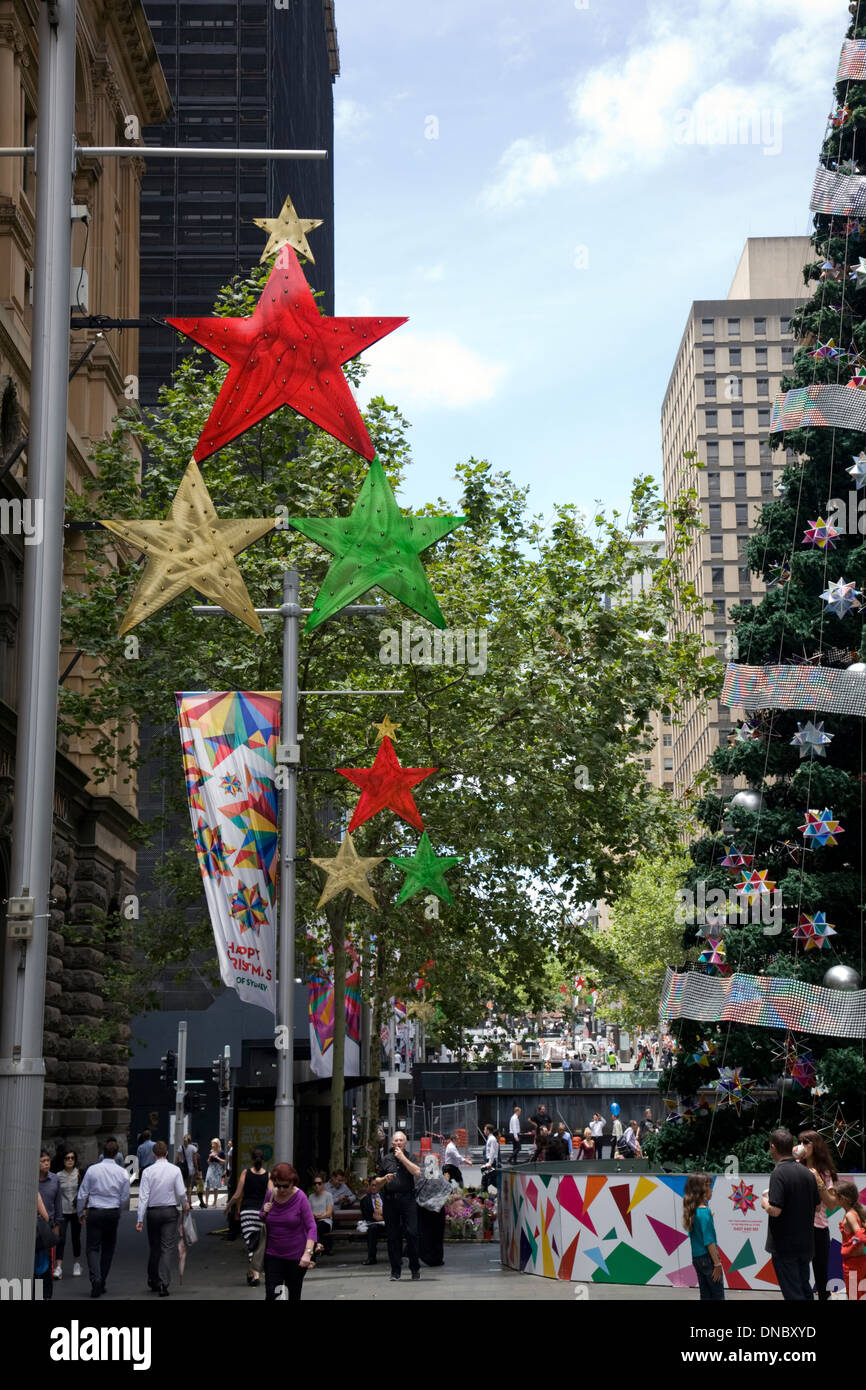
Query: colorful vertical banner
{"x": 229, "y": 742}
{"x": 321, "y": 1007}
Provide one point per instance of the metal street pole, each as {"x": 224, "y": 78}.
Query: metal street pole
{"x": 227, "y": 1091}
{"x": 284, "y": 1106}
{"x": 22, "y": 1068}
{"x": 180, "y": 1093}
{"x": 392, "y": 1084}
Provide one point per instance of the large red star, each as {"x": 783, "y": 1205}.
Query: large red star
{"x": 386, "y": 785}
{"x": 286, "y": 353}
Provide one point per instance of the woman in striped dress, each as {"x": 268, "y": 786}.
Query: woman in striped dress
{"x": 249, "y": 1196}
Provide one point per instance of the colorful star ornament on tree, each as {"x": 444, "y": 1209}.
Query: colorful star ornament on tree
{"x": 814, "y": 929}
{"x": 285, "y": 353}
{"x": 842, "y": 1132}
{"x": 841, "y": 597}
{"x": 386, "y": 786}
{"x": 288, "y": 229}
{"x": 734, "y": 1088}
{"x": 376, "y": 547}
{"x": 821, "y": 828}
{"x": 858, "y": 380}
{"x": 714, "y": 953}
{"x": 858, "y": 472}
{"x": 734, "y": 860}
{"x": 192, "y": 548}
{"x": 386, "y": 729}
{"x": 796, "y": 1061}
{"x": 748, "y": 732}
{"x": 811, "y": 739}
{"x": 780, "y": 574}
{"x": 825, "y": 352}
{"x": 858, "y": 273}
{"x": 347, "y": 870}
{"x": 753, "y": 884}
{"x": 821, "y": 534}
{"x": 425, "y": 871}
{"x": 839, "y": 116}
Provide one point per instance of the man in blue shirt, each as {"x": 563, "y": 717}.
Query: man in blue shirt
{"x": 144, "y": 1152}
{"x": 103, "y": 1194}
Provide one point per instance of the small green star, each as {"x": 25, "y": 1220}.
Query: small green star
{"x": 425, "y": 871}
{"x": 376, "y": 546}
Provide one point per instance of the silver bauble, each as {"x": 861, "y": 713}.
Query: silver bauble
{"x": 748, "y": 801}
{"x": 858, "y": 668}
{"x": 841, "y": 977}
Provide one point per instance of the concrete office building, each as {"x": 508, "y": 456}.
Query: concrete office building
{"x": 728, "y": 369}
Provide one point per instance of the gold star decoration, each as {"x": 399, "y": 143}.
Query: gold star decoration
{"x": 287, "y": 230}
{"x": 386, "y": 729}
{"x": 347, "y": 870}
{"x": 191, "y": 549}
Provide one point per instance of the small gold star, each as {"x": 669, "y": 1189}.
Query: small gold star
{"x": 192, "y": 548}
{"x": 386, "y": 729}
{"x": 287, "y": 230}
{"x": 347, "y": 870}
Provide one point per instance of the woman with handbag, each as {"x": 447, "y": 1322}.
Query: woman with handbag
{"x": 290, "y": 1235}
{"x": 69, "y": 1176}
{"x": 249, "y": 1197}
{"x": 215, "y": 1174}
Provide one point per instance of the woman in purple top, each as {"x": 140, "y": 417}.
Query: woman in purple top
{"x": 291, "y": 1229}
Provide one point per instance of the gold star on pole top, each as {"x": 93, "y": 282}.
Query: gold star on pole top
{"x": 347, "y": 870}
{"x": 191, "y": 549}
{"x": 386, "y": 729}
{"x": 288, "y": 230}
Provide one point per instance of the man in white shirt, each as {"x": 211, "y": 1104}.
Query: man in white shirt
{"x": 103, "y": 1194}
{"x": 161, "y": 1195}
{"x": 490, "y": 1171}
{"x": 514, "y": 1131}
{"x": 596, "y": 1129}
{"x": 453, "y": 1159}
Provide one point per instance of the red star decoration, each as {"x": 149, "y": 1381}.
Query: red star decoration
{"x": 285, "y": 353}
{"x": 386, "y": 785}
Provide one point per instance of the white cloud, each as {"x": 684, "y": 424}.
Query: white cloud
{"x": 351, "y": 119}
{"x": 424, "y": 369}
{"x": 687, "y": 55}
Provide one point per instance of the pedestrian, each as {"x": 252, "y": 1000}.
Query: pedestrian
{"x": 615, "y": 1134}
{"x": 596, "y": 1129}
{"x": 611, "y": 1059}
{"x": 322, "y": 1208}
{"x": 853, "y": 1231}
{"x": 373, "y": 1216}
{"x": 397, "y": 1174}
{"x": 790, "y": 1202}
{"x": 291, "y": 1235}
{"x": 144, "y": 1152}
{"x": 103, "y": 1194}
{"x": 249, "y": 1197}
{"x": 453, "y": 1159}
{"x": 514, "y": 1131}
{"x": 648, "y": 1124}
{"x": 628, "y": 1146}
{"x": 50, "y": 1192}
{"x": 587, "y": 1149}
{"x": 554, "y": 1150}
{"x": 69, "y": 1177}
{"x": 812, "y": 1151}
{"x": 566, "y": 1062}
{"x": 186, "y": 1159}
{"x": 542, "y": 1137}
{"x": 161, "y": 1196}
{"x": 492, "y": 1161}
{"x": 215, "y": 1174}
{"x": 541, "y": 1119}
{"x": 698, "y": 1221}
{"x": 563, "y": 1133}
{"x": 340, "y": 1192}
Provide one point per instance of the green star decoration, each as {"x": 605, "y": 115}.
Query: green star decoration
{"x": 376, "y": 546}
{"x": 425, "y": 871}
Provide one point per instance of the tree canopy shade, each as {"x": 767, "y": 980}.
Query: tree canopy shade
{"x": 540, "y": 786}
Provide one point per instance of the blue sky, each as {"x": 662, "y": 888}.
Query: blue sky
{"x": 547, "y": 242}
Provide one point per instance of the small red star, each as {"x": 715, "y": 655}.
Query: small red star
{"x": 285, "y": 353}
{"x": 386, "y": 785}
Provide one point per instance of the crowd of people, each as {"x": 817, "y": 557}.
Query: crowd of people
{"x": 554, "y": 1142}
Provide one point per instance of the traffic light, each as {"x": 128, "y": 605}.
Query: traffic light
{"x": 226, "y": 1082}
{"x": 195, "y": 1100}
{"x": 168, "y": 1069}
{"x": 216, "y": 1072}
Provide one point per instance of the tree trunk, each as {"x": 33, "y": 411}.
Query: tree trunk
{"x": 338, "y": 945}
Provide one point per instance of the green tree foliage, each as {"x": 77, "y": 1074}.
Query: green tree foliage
{"x": 571, "y": 679}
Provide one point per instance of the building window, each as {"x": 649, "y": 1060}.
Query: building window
{"x": 716, "y": 545}
{"x": 760, "y": 357}
{"x": 735, "y": 357}
{"x": 760, "y": 328}
{"x": 708, "y": 328}
{"x": 710, "y": 388}
{"x": 669, "y": 765}
{"x": 737, "y": 420}
{"x": 739, "y": 451}
{"x": 764, "y": 418}
{"x": 714, "y": 482}
{"x": 745, "y": 603}
{"x": 717, "y": 574}
{"x": 733, "y": 328}
{"x": 712, "y": 449}
{"x": 742, "y": 545}
{"x": 742, "y": 513}
{"x": 667, "y": 740}
{"x": 720, "y": 637}
{"x": 709, "y": 357}
{"x": 787, "y": 354}
{"x": 763, "y": 386}
{"x": 712, "y": 419}
{"x": 745, "y": 577}
{"x": 766, "y": 482}
{"x": 719, "y": 607}
{"x": 740, "y": 485}
{"x": 715, "y": 514}
{"x": 785, "y": 323}
{"x": 764, "y": 451}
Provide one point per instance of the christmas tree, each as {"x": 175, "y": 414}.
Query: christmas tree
{"x": 798, "y": 831}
